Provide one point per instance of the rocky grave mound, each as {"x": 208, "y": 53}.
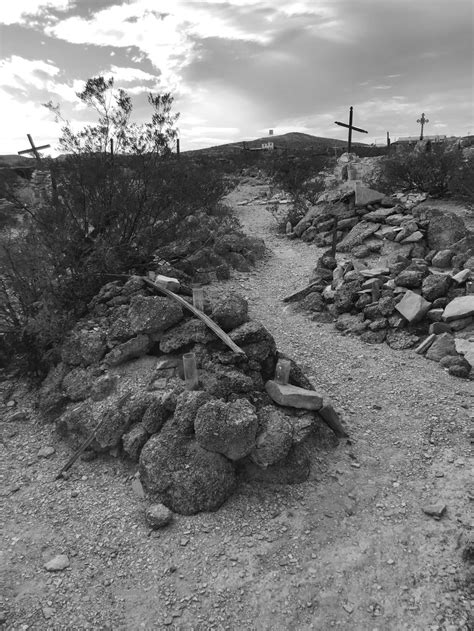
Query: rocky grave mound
{"x": 208, "y": 248}
{"x": 120, "y": 380}
{"x": 403, "y": 301}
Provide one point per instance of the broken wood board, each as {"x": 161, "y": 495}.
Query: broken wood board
{"x": 199, "y": 314}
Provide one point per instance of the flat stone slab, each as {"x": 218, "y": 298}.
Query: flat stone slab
{"x": 461, "y": 307}
{"x": 293, "y": 397}
{"x": 466, "y": 348}
{"x": 365, "y": 195}
{"x": 374, "y": 272}
{"x": 462, "y": 276}
{"x": 412, "y": 306}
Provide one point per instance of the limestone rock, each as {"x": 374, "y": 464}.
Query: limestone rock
{"x": 459, "y": 308}
{"x": 152, "y": 314}
{"x": 412, "y": 306}
{"x": 274, "y": 439}
{"x": 134, "y": 440}
{"x": 442, "y": 259}
{"x": 292, "y": 396}
{"x": 357, "y": 235}
{"x": 294, "y": 469}
{"x": 365, "y": 195}
{"x": 158, "y": 516}
{"x": 77, "y": 384}
{"x": 185, "y": 333}
{"x": 401, "y": 340}
{"x": 410, "y": 278}
{"x": 442, "y": 346}
{"x": 84, "y": 347}
{"x": 188, "y": 404}
{"x": 131, "y": 349}
{"x": 227, "y": 428}
{"x": 435, "y": 286}
{"x": 186, "y": 478}
{"x": 229, "y": 310}
{"x": 57, "y": 564}
{"x": 444, "y": 230}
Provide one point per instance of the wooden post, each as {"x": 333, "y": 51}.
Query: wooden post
{"x": 349, "y": 140}
{"x": 177, "y": 147}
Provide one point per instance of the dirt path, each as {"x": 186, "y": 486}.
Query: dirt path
{"x": 351, "y": 548}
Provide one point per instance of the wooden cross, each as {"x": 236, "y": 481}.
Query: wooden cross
{"x": 351, "y": 127}
{"x": 422, "y": 122}
{"x": 35, "y": 150}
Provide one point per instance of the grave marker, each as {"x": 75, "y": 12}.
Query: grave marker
{"x": 351, "y": 127}
{"x": 34, "y": 150}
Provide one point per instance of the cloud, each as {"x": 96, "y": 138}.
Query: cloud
{"x": 18, "y": 10}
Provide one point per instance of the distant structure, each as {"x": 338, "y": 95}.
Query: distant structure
{"x": 415, "y": 139}
{"x": 268, "y": 146}
{"x": 270, "y": 132}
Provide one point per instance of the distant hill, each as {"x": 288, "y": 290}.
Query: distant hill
{"x": 14, "y": 160}
{"x": 293, "y": 141}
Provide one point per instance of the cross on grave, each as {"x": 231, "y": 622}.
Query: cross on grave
{"x": 351, "y": 127}
{"x": 35, "y": 150}
{"x": 422, "y": 122}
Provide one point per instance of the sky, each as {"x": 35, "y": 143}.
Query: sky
{"x": 237, "y": 68}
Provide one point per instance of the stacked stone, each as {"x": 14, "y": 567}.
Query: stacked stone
{"x": 213, "y": 247}
{"x": 402, "y": 302}
{"x": 122, "y": 366}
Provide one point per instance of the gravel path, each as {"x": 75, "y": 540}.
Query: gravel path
{"x": 351, "y": 548}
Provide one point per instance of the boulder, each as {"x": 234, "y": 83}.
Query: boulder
{"x": 294, "y": 469}
{"x": 191, "y": 331}
{"x": 187, "y": 405}
{"x": 156, "y": 414}
{"x": 158, "y": 516}
{"x": 131, "y": 349}
{"x": 435, "y": 286}
{"x": 345, "y": 296}
{"x": 77, "y": 384}
{"x": 400, "y": 340}
{"x": 178, "y": 472}
{"x": 357, "y": 235}
{"x": 293, "y": 396}
{"x": 444, "y": 229}
{"x": 229, "y": 310}
{"x": 442, "y": 346}
{"x": 412, "y": 306}
{"x": 255, "y": 341}
{"x": 442, "y": 259}
{"x": 84, "y": 347}
{"x": 227, "y": 428}
{"x": 459, "y": 308}
{"x": 411, "y": 279}
{"x": 153, "y": 314}
{"x": 134, "y": 440}
{"x": 365, "y": 195}
{"x": 274, "y": 439}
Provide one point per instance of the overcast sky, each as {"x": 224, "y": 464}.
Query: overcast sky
{"x": 240, "y": 67}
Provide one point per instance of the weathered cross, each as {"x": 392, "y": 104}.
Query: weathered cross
{"x": 35, "y": 150}
{"x": 351, "y": 127}
{"x": 422, "y": 122}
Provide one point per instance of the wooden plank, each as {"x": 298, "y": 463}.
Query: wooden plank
{"x": 199, "y": 314}
{"x": 424, "y": 346}
{"x": 301, "y": 293}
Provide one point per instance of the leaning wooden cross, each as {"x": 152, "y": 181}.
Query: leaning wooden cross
{"x": 351, "y": 127}
{"x": 34, "y": 150}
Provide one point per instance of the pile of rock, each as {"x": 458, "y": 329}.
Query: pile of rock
{"x": 122, "y": 367}
{"x": 402, "y": 302}
{"x": 214, "y": 247}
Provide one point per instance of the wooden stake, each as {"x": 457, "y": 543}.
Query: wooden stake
{"x": 301, "y": 293}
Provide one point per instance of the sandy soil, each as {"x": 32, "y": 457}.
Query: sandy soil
{"x": 351, "y": 548}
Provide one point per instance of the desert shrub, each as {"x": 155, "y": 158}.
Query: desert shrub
{"x": 292, "y": 173}
{"x": 429, "y": 172}
{"x": 462, "y": 181}
{"x": 104, "y": 209}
